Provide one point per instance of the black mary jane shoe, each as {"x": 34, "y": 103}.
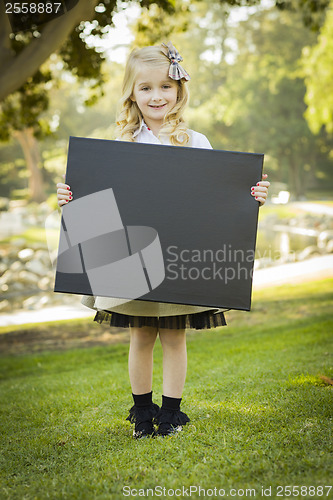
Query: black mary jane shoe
{"x": 170, "y": 422}
{"x": 168, "y": 429}
{"x": 144, "y": 430}
{"x": 143, "y": 417}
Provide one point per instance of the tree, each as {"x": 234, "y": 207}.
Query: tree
{"x": 312, "y": 11}
{"x": 23, "y": 52}
{"x": 318, "y": 69}
{"x": 247, "y": 92}
{"x": 24, "y": 56}
{"x": 263, "y": 99}
{"x": 16, "y": 68}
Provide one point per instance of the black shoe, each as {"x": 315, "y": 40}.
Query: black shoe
{"x": 167, "y": 429}
{"x": 144, "y": 430}
{"x": 143, "y": 417}
{"x": 170, "y": 422}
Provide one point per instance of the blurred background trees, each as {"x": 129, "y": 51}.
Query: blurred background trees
{"x": 254, "y": 67}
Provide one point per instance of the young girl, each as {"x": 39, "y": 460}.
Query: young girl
{"x": 154, "y": 96}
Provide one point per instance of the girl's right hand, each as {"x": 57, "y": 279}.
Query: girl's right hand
{"x": 64, "y": 194}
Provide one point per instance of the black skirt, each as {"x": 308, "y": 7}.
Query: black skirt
{"x": 198, "y": 321}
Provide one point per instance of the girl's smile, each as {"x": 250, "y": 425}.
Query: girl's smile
{"x": 155, "y": 94}
{"x": 157, "y": 106}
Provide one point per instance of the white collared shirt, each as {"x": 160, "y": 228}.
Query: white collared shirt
{"x": 145, "y": 135}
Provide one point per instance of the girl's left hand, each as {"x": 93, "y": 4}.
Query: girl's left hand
{"x": 260, "y": 191}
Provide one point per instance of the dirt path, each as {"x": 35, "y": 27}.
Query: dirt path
{"x": 59, "y": 337}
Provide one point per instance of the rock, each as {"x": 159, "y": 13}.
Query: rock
{"x": 36, "y": 302}
{"x": 17, "y": 266}
{"x": 43, "y": 301}
{"x": 3, "y": 253}
{"x": 5, "y": 305}
{"x": 35, "y": 266}
{"x": 310, "y": 251}
{"x": 25, "y": 254}
{"x": 329, "y": 246}
{"x": 45, "y": 283}
{"x": 12, "y": 255}
{"x": 16, "y": 286}
{"x": 3, "y": 268}
{"x": 44, "y": 257}
{"x": 324, "y": 237}
{"x": 7, "y": 277}
{"x": 31, "y": 302}
{"x": 6, "y": 261}
{"x": 28, "y": 277}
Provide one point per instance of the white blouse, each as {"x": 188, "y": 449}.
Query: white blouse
{"x": 143, "y": 307}
{"x": 145, "y": 135}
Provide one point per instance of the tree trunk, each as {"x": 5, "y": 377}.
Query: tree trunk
{"x": 30, "y": 148}
{"x": 297, "y": 180}
{"x": 15, "y": 69}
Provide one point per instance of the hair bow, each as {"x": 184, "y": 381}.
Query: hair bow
{"x": 176, "y": 71}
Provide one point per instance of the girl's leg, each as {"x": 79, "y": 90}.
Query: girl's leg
{"x": 174, "y": 361}
{"x": 140, "y": 359}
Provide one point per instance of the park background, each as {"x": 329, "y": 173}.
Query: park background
{"x": 258, "y": 392}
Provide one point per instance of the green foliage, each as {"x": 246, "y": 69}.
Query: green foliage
{"x": 258, "y": 101}
{"x": 260, "y": 413}
{"x": 52, "y": 201}
{"x": 153, "y": 16}
{"x": 312, "y": 11}
{"x": 84, "y": 62}
{"x": 13, "y": 175}
{"x": 318, "y": 69}
{"x": 235, "y": 72}
{"x": 24, "y": 108}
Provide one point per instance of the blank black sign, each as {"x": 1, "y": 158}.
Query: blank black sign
{"x": 197, "y": 201}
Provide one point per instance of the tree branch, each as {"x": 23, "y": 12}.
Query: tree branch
{"x": 17, "y": 69}
{"x": 6, "y": 53}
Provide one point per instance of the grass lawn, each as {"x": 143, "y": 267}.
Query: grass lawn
{"x": 261, "y": 416}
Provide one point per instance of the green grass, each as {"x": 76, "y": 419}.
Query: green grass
{"x": 260, "y": 413}
{"x": 69, "y": 324}
{"x": 288, "y": 211}
{"x": 326, "y": 202}
{"x": 280, "y": 211}
{"x": 35, "y": 234}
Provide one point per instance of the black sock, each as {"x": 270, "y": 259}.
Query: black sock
{"x": 170, "y": 403}
{"x": 143, "y": 399}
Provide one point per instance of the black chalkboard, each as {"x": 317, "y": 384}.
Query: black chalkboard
{"x": 159, "y": 223}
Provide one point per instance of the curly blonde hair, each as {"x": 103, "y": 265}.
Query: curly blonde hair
{"x": 129, "y": 115}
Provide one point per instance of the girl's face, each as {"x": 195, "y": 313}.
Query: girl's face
{"x": 155, "y": 94}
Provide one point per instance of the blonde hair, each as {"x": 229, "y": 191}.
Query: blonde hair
{"x": 130, "y": 116}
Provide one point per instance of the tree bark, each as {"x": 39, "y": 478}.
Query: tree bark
{"x": 16, "y": 69}
{"x": 31, "y": 152}
{"x": 297, "y": 180}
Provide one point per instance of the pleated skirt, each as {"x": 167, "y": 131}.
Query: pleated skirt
{"x": 198, "y": 321}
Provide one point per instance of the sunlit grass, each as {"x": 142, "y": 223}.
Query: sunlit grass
{"x": 35, "y": 234}
{"x": 260, "y": 414}
{"x": 280, "y": 211}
